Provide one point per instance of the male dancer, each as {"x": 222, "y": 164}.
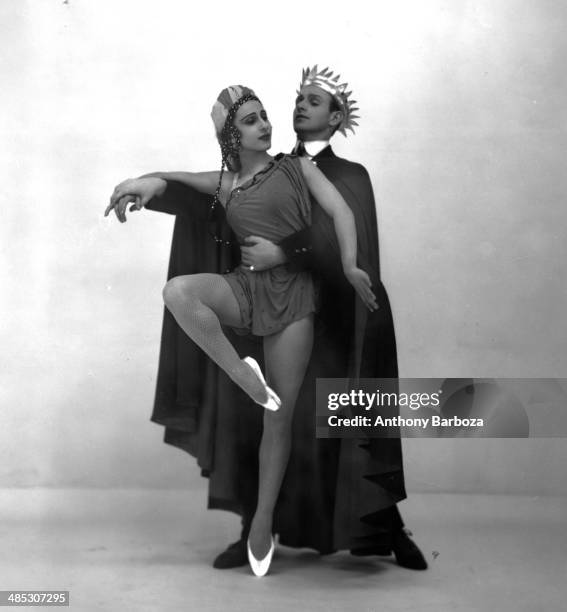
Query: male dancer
{"x": 358, "y": 482}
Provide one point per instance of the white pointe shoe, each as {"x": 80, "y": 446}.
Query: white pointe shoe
{"x": 261, "y": 567}
{"x": 273, "y": 402}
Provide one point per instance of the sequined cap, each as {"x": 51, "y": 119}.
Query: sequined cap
{"x": 225, "y": 101}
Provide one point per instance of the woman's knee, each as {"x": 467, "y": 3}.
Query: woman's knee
{"x": 177, "y": 291}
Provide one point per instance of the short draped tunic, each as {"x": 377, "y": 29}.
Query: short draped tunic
{"x": 274, "y": 204}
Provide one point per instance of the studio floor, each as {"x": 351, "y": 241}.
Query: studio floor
{"x": 138, "y": 550}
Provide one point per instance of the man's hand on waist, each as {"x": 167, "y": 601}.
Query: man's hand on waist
{"x": 261, "y": 254}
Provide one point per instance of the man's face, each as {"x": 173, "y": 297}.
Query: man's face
{"x": 312, "y": 116}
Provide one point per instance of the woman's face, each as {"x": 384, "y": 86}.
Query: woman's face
{"x": 255, "y": 130}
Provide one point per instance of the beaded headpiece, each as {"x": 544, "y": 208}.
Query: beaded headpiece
{"x": 224, "y": 110}
{"x": 223, "y": 113}
{"x": 224, "y": 102}
{"x": 326, "y": 80}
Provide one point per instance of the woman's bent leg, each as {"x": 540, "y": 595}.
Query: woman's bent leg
{"x": 201, "y": 303}
{"x": 287, "y": 355}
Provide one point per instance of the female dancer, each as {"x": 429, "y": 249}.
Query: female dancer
{"x": 268, "y": 197}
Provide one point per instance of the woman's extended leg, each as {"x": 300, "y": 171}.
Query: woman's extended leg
{"x": 287, "y": 355}
{"x": 201, "y": 303}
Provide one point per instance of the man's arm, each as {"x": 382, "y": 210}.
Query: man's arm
{"x": 263, "y": 254}
{"x": 298, "y": 250}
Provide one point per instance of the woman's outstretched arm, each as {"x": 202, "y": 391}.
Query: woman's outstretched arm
{"x": 205, "y": 182}
{"x": 142, "y": 190}
{"x": 334, "y": 205}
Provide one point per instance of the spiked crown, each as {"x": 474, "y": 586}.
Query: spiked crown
{"x": 326, "y": 80}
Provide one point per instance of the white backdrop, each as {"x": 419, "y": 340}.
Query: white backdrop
{"x": 463, "y": 131}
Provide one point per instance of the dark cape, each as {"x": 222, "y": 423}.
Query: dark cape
{"x": 336, "y": 494}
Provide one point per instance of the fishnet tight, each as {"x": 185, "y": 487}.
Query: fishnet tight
{"x": 201, "y": 303}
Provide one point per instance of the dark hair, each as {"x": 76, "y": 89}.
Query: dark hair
{"x": 333, "y": 108}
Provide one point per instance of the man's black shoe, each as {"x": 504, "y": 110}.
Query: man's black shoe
{"x": 404, "y": 548}
{"x": 236, "y": 555}
{"x": 406, "y": 551}
{"x": 383, "y": 551}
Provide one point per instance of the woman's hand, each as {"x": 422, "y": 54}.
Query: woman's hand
{"x": 139, "y": 190}
{"x": 361, "y": 283}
